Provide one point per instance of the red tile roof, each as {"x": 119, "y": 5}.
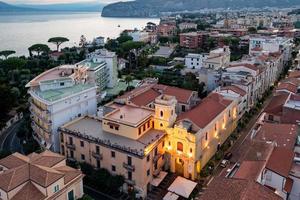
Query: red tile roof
{"x": 284, "y": 135}
{"x": 281, "y": 161}
{"x": 249, "y": 170}
{"x": 182, "y": 95}
{"x": 247, "y": 65}
{"x": 276, "y": 104}
{"x": 207, "y": 110}
{"x": 294, "y": 74}
{"x": 29, "y": 192}
{"x": 287, "y": 86}
{"x": 288, "y": 185}
{"x": 235, "y": 89}
{"x": 145, "y": 98}
{"x": 237, "y": 189}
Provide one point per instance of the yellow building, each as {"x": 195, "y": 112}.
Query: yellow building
{"x": 140, "y": 142}
{"x": 41, "y": 176}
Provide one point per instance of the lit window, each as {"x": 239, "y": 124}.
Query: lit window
{"x": 179, "y": 146}
{"x": 161, "y": 113}
{"x": 206, "y": 136}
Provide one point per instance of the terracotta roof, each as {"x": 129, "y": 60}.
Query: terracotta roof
{"x": 249, "y": 170}
{"x": 181, "y": 95}
{"x": 237, "y": 189}
{"x": 284, "y": 135}
{"x": 258, "y": 151}
{"x": 235, "y": 89}
{"x": 14, "y": 160}
{"x": 276, "y": 104}
{"x": 12, "y": 178}
{"x": 44, "y": 176}
{"x": 207, "y": 110}
{"x": 294, "y": 74}
{"x": 29, "y": 192}
{"x": 70, "y": 173}
{"x": 247, "y": 65}
{"x": 145, "y": 98}
{"x": 285, "y": 156}
{"x": 287, "y": 86}
{"x": 288, "y": 185}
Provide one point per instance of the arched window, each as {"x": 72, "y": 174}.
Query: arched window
{"x": 179, "y": 146}
{"x": 161, "y": 113}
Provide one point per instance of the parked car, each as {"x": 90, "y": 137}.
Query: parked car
{"x": 224, "y": 163}
{"x": 228, "y": 156}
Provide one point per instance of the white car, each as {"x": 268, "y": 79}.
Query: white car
{"x": 224, "y": 163}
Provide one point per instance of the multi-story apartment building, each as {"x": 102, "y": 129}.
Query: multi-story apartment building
{"x": 140, "y": 142}
{"x": 187, "y": 25}
{"x": 194, "y": 61}
{"x": 193, "y": 40}
{"x": 102, "y": 67}
{"x": 39, "y": 177}
{"x": 166, "y": 29}
{"x": 58, "y": 96}
{"x": 218, "y": 58}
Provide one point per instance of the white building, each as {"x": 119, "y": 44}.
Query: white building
{"x": 139, "y": 36}
{"x": 195, "y": 61}
{"x": 58, "y": 96}
{"x": 218, "y": 58}
{"x": 186, "y": 25}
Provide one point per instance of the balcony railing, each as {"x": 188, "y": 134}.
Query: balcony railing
{"x": 71, "y": 146}
{"x": 96, "y": 155}
{"x": 130, "y": 182}
{"x": 129, "y": 167}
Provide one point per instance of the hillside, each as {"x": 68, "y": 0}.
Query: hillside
{"x": 148, "y": 8}
{"x": 4, "y": 7}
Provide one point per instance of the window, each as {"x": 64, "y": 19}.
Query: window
{"x": 163, "y": 144}
{"x": 129, "y": 160}
{"x": 183, "y": 108}
{"x": 161, "y": 125}
{"x": 216, "y": 127}
{"x": 63, "y": 150}
{"x": 271, "y": 117}
{"x": 82, "y": 157}
{"x": 62, "y": 83}
{"x": 148, "y": 172}
{"x": 113, "y": 154}
{"x": 155, "y": 151}
{"x": 179, "y": 146}
{"x": 82, "y": 143}
{"x": 116, "y": 128}
{"x": 111, "y": 127}
{"x": 70, "y": 140}
{"x": 155, "y": 166}
{"x": 229, "y": 114}
{"x": 148, "y": 158}
{"x": 191, "y": 150}
{"x": 152, "y": 124}
{"x": 56, "y": 188}
{"x": 206, "y": 136}
{"x": 148, "y": 124}
{"x": 161, "y": 113}
{"x": 140, "y": 131}
{"x": 97, "y": 149}
{"x": 71, "y": 154}
{"x": 113, "y": 168}
{"x": 71, "y": 195}
{"x": 129, "y": 176}
{"x": 98, "y": 164}
{"x": 144, "y": 127}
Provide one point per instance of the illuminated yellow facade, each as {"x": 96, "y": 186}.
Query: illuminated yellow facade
{"x": 146, "y": 141}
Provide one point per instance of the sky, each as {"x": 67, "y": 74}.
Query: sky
{"x": 55, "y": 1}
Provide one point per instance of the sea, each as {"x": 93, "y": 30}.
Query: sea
{"x": 18, "y": 31}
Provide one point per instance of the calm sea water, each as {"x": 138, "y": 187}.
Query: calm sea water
{"x": 18, "y": 32}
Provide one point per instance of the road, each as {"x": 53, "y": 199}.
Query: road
{"x": 9, "y": 140}
{"x": 242, "y": 145}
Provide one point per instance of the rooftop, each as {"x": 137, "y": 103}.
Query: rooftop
{"x": 286, "y": 158}
{"x": 237, "y": 189}
{"x": 90, "y": 64}
{"x": 91, "y": 129}
{"x": 284, "y": 135}
{"x": 129, "y": 115}
{"x": 57, "y": 94}
{"x": 207, "y": 110}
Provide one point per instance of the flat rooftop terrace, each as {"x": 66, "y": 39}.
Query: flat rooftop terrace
{"x": 129, "y": 115}
{"x": 90, "y": 64}
{"x": 91, "y": 129}
{"x": 57, "y": 94}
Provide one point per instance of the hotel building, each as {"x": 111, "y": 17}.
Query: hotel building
{"x": 139, "y": 142}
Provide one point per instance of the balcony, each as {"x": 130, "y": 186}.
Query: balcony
{"x": 71, "y": 146}
{"x": 130, "y": 182}
{"x": 157, "y": 157}
{"x": 39, "y": 107}
{"x": 130, "y": 168}
{"x": 98, "y": 155}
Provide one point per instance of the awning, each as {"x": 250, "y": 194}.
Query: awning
{"x": 171, "y": 196}
{"x": 157, "y": 180}
{"x": 183, "y": 187}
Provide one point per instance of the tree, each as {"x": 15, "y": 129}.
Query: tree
{"x": 128, "y": 80}
{"x": 38, "y": 48}
{"x": 252, "y": 30}
{"x": 58, "y": 41}
{"x": 7, "y": 53}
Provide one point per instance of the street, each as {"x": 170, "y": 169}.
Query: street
{"x": 9, "y": 140}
